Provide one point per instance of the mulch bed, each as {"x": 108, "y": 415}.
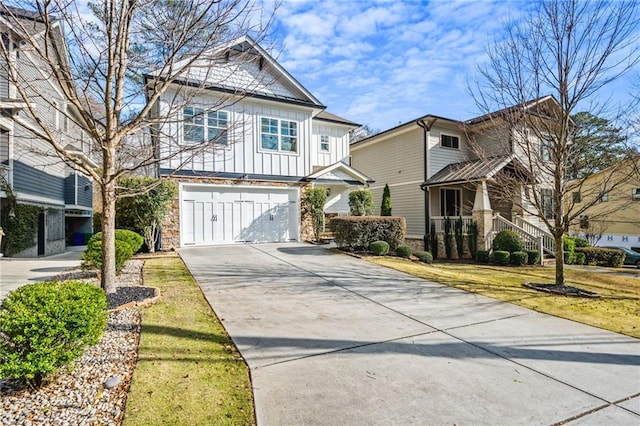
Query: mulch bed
{"x": 563, "y": 290}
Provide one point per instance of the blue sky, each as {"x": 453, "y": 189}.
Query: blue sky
{"x": 381, "y": 63}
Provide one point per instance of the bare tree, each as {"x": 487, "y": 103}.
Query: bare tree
{"x": 549, "y": 67}
{"x": 112, "y": 60}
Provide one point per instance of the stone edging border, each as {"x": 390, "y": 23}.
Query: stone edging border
{"x": 140, "y": 304}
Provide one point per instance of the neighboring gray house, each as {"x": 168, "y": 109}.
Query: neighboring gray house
{"x": 438, "y": 167}
{"x": 35, "y": 174}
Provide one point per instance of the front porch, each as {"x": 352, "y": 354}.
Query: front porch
{"x": 467, "y": 197}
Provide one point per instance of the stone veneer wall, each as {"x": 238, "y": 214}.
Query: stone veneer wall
{"x": 171, "y": 222}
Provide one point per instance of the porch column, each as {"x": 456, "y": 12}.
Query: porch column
{"x": 482, "y": 214}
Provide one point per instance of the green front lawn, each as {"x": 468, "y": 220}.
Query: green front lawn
{"x": 188, "y": 372}
{"x": 617, "y": 310}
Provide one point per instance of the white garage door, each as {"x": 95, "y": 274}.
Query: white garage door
{"x": 216, "y": 215}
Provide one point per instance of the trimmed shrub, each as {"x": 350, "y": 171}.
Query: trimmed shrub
{"x": 92, "y": 257}
{"x": 134, "y": 239}
{"x": 424, "y": 256}
{"x": 457, "y": 230}
{"x": 45, "y": 326}
{"x": 482, "y": 256}
{"x": 403, "y": 251}
{"x": 581, "y": 242}
{"x": 519, "y": 258}
{"x": 569, "y": 257}
{"x": 448, "y": 237}
{"x": 507, "y": 241}
{"x": 579, "y": 258}
{"x": 361, "y": 202}
{"x": 602, "y": 256}
{"x": 501, "y": 257}
{"x": 379, "y": 248}
{"x": 385, "y": 207}
{"x": 533, "y": 257}
{"x": 358, "y": 232}
{"x": 569, "y": 244}
{"x": 472, "y": 235}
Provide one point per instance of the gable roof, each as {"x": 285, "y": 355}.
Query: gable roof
{"x": 238, "y": 78}
{"x": 529, "y": 106}
{"x": 339, "y": 173}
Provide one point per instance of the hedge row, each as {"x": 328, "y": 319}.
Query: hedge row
{"x": 601, "y": 256}
{"x": 358, "y": 232}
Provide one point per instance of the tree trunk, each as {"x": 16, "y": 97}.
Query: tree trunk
{"x": 559, "y": 249}
{"x": 108, "y": 280}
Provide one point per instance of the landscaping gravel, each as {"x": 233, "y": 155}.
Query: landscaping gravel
{"x": 94, "y": 389}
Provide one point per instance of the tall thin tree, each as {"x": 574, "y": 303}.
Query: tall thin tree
{"x": 102, "y": 71}
{"x": 570, "y": 50}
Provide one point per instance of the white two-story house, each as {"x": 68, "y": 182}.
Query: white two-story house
{"x": 244, "y": 141}
{"x": 29, "y": 167}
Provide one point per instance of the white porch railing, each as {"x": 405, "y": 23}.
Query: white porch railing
{"x": 530, "y": 241}
{"x": 438, "y": 221}
{"x": 548, "y": 243}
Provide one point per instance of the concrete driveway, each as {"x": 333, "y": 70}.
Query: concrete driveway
{"x": 333, "y": 340}
{"x": 16, "y": 272}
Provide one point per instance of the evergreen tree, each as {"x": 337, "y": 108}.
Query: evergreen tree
{"x": 385, "y": 208}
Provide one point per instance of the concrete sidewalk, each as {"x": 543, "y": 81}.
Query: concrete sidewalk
{"x": 333, "y": 340}
{"x": 16, "y": 272}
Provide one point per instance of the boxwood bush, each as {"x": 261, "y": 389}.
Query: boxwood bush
{"x": 379, "y": 248}
{"x": 482, "y": 256}
{"x": 501, "y": 257}
{"x": 44, "y": 326}
{"x": 134, "y": 239}
{"x": 424, "y": 256}
{"x": 519, "y": 258}
{"x": 358, "y": 232}
{"x": 127, "y": 243}
{"x": 508, "y": 241}
{"x": 602, "y": 256}
{"x": 579, "y": 258}
{"x": 533, "y": 257}
{"x": 403, "y": 251}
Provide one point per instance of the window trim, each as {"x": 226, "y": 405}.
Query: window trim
{"x": 205, "y": 126}
{"x": 451, "y": 136}
{"x": 328, "y": 143}
{"x": 279, "y": 135}
{"x": 543, "y": 197}
{"x": 459, "y": 195}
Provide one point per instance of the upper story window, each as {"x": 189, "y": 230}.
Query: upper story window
{"x": 449, "y": 141}
{"x": 545, "y": 149}
{"x": 324, "y": 143}
{"x": 547, "y": 202}
{"x": 201, "y": 126}
{"x": 279, "y": 135}
{"x": 635, "y": 194}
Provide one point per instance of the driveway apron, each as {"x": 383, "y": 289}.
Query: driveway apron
{"x": 334, "y": 340}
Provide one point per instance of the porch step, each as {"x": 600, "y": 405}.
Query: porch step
{"x": 326, "y": 237}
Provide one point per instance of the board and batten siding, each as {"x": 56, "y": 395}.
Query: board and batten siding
{"x": 338, "y": 143}
{"x": 244, "y": 153}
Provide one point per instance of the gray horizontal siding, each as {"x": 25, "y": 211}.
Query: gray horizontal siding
{"x": 84, "y": 190}
{"x": 36, "y": 182}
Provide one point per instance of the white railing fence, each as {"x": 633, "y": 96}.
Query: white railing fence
{"x": 530, "y": 241}
{"x": 548, "y": 243}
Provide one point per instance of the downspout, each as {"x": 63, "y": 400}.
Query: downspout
{"x": 426, "y": 131}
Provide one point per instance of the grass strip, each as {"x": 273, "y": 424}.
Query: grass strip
{"x": 189, "y": 371}
{"x": 617, "y": 310}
